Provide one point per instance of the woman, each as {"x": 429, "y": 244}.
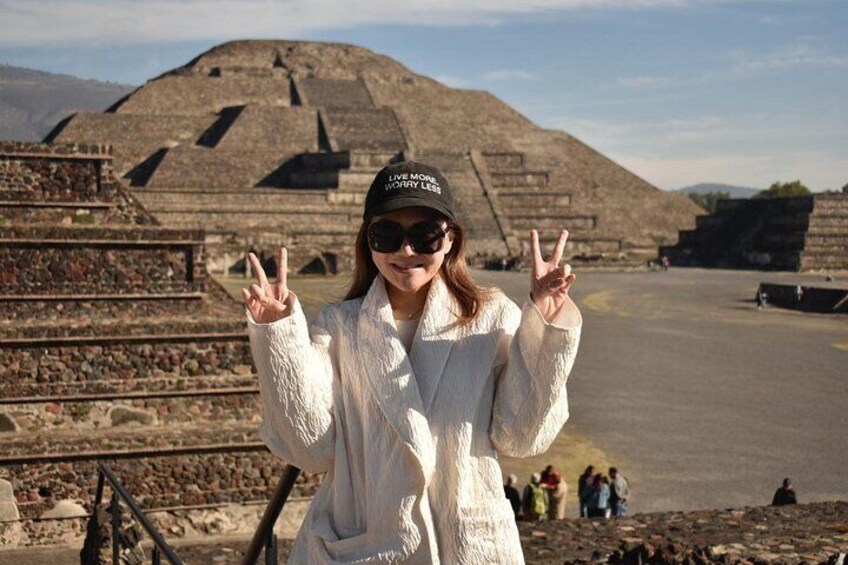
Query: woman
{"x": 558, "y": 490}
{"x": 599, "y": 499}
{"x": 406, "y": 392}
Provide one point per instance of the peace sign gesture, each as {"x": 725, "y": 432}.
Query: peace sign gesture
{"x": 268, "y": 302}
{"x": 549, "y": 282}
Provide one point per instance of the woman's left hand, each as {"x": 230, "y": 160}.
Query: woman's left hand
{"x": 550, "y": 282}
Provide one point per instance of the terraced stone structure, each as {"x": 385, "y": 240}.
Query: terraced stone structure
{"x": 794, "y": 233}
{"x": 268, "y": 143}
{"x": 115, "y": 345}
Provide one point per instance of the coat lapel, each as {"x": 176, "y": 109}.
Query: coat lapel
{"x": 434, "y": 340}
{"x": 389, "y": 374}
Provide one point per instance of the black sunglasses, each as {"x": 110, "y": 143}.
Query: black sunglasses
{"x": 385, "y": 236}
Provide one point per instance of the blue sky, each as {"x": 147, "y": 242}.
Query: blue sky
{"x": 679, "y": 91}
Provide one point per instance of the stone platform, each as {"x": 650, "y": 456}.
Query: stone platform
{"x": 814, "y": 534}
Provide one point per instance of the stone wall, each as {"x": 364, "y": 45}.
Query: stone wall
{"x": 50, "y": 180}
{"x": 86, "y": 415}
{"x": 202, "y": 95}
{"x": 794, "y": 233}
{"x": 90, "y": 308}
{"x": 27, "y": 371}
{"x": 805, "y": 533}
{"x": 133, "y": 137}
{"x": 334, "y": 93}
{"x": 156, "y": 482}
{"x": 65, "y": 268}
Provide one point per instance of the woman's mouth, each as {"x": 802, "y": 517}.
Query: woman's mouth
{"x": 406, "y": 268}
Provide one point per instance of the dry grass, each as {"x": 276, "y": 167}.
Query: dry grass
{"x": 570, "y": 454}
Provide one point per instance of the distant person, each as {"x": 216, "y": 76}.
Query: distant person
{"x": 785, "y": 494}
{"x": 799, "y": 294}
{"x": 557, "y": 491}
{"x": 546, "y": 475}
{"x": 512, "y": 495}
{"x": 598, "y": 505}
{"x": 584, "y": 486}
{"x": 535, "y": 499}
{"x": 665, "y": 262}
{"x": 762, "y": 298}
{"x": 619, "y": 493}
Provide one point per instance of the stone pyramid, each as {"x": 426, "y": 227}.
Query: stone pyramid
{"x": 268, "y": 143}
{"x": 116, "y": 346}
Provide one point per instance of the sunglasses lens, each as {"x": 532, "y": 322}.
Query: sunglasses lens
{"x": 426, "y": 238}
{"x": 385, "y": 236}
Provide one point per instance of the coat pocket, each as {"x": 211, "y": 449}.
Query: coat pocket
{"x": 347, "y": 550}
{"x": 487, "y": 533}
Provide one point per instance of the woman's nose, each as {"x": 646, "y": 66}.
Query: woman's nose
{"x": 406, "y": 249}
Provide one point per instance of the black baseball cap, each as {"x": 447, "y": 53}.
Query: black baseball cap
{"x": 407, "y": 184}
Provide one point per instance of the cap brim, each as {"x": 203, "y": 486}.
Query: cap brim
{"x": 409, "y": 202}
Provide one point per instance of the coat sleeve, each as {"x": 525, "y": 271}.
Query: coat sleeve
{"x": 531, "y": 404}
{"x": 296, "y": 367}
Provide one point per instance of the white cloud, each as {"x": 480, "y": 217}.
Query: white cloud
{"x": 93, "y": 22}
{"x": 804, "y": 52}
{"x": 508, "y": 75}
{"x": 642, "y": 81}
{"x": 800, "y": 53}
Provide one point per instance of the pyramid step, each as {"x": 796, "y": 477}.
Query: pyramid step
{"x": 316, "y": 178}
{"x": 553, "y": 222}
{"x": 240, "y": 474}
{"x": 371, "y": 159}
{"x": 126, "y": 441}
{"x": 359, "y": 179}
{"x": 169, "y": 385}
{"x": 823, "y": 260}
{"x": 87, "y": 414}
{"x": 289, "y": 222}
{"x": 519, "y": 179}
{"x": 533, "y": 200}
{"x": 500, "y": 162}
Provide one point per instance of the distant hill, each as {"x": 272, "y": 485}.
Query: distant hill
{"x": 32, "y": 102}
{"x": 707, "y": 187}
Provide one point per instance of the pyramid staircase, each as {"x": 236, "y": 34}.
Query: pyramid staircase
{"x": 270, "y": 143}
{"x": 793, "y": 233}
{"x": 115, "y": 345}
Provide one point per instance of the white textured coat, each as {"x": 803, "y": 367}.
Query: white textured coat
{"x": 412, "y": 471}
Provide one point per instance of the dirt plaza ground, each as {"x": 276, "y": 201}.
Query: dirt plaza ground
{"x": 702, "y": 400}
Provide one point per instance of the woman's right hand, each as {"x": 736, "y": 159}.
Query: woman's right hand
{"x": 268, "y": 302}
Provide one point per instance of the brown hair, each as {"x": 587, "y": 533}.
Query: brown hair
{"x": 454, "y": 272}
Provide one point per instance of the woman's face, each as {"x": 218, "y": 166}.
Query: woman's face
{"x": 405, "y": 269}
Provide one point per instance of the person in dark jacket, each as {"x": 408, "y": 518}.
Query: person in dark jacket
{"x": 512, "y": 494}
{"x": 584, "y": 490}
{"x": 785, "y": 494}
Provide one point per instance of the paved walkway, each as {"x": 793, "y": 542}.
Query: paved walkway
{"x": 701, "y": 399}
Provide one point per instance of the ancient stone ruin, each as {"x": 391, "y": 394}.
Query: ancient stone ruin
{"x": 269, "y": 143}
{"x": 114, "y": 345}
{"x": 792, "y": 233}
